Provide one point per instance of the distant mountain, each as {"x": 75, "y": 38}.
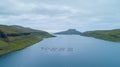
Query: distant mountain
{"x": 70, "y": 32}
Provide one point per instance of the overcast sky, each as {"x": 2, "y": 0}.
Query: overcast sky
{"x": 54, "y": 15}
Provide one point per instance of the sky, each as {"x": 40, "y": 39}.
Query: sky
{"x": 57, "y": 15}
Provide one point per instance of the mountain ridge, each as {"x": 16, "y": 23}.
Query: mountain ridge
{"x": 69, "y": 32}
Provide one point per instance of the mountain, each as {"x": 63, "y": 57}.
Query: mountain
{"x": 15, "y": 37}
{"x": 70, "y": 32}
{"x": 17, "y": 29}
{"x": 110, "y": 35}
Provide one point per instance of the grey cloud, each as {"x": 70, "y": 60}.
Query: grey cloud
{"x": 58, "y": 13}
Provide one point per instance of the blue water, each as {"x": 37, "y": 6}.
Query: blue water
{"x": 66, "y": 51}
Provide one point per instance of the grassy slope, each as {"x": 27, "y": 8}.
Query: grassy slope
{"x": 20, "y": 42}
{"x": 111, "y": 35}
{"x": 3, "y": 44}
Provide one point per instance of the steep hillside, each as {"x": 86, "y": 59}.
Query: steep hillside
{"x": 14, "y": 37}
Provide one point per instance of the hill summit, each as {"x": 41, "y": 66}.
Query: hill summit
{"x": 69, "y": 32}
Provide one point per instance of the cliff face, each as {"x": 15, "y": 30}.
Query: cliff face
{"x": 3, "y": 36}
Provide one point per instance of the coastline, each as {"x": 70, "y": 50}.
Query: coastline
{"x": 21, "y": 44}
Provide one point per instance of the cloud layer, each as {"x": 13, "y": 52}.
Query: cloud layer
{"x": 59, "y": 15}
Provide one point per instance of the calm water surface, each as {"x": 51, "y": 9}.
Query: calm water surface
{"x": 66, "y": 51}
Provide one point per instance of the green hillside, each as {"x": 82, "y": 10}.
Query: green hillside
{"x": 14, "y": 38}
{"x": 111, "y": 35}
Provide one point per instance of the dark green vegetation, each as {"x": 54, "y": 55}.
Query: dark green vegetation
{"x": 110, "y": 35}
{"x": 70, "y": 32}
{"x": 14, "y": 38}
